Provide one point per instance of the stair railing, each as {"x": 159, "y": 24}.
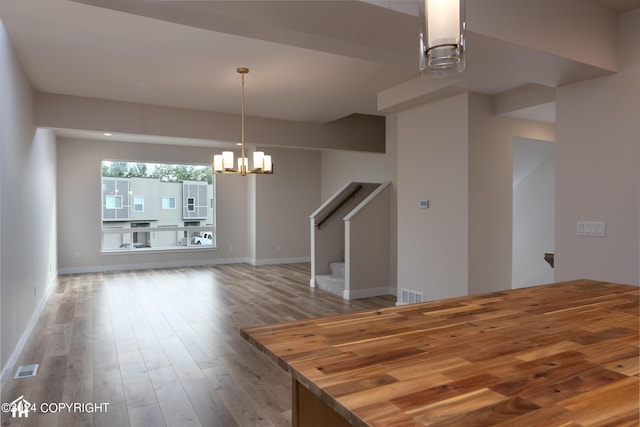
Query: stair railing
{"x": 340, "y": 205}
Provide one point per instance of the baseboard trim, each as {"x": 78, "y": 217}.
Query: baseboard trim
{"x": 151, "y": 265}
{"x": 273, "y": 261}
{"x": 366, "y": 293}
{"x": 22, "y": 342}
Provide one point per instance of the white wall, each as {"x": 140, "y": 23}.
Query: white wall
{"x": 283, "y": 204}
{"x": 260, "y": 219}
{"x": 367, "y": 249}
{"x": 433, "y": 164}
{"x": 340, "y": 167}
{"x": 491, "y": 191}
{"x": 28, "y": 209}
{"x": 598, "y": 169}
{"x": 355, "y": 132}
{"x": 458, "y": 155}
{"x": 79, "y": 215}
{"x": 533, "y": 211}
{"x": 391, "y": 154}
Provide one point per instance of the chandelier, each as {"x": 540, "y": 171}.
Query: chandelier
{"x": 442, "y": 37}
{"x": 224, "y": 164}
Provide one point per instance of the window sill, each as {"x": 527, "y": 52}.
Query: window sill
{"x": 128, "y": 251}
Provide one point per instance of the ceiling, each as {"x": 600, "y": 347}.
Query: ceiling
{"x": 310, "y": 61}
{"x": 620, "y": 6}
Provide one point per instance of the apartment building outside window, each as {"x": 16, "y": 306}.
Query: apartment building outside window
{"x": 148, "y": 196}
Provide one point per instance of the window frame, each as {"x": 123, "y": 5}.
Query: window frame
{"x": 169, "y": 198}
{"x": 135, "y": 204}
{"x": 113, "y": 197}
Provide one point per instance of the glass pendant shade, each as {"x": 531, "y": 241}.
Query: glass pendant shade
{"x": 227, "y": 160}
{"x": 442, "y": 37}
{"x": 217, "y": 163}
{"x": 258, "y": 158}
{"x": 268, "y": 167}
{"x": 242, "y": 164}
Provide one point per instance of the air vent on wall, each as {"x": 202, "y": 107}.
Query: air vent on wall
{"x": 408, "y": 296}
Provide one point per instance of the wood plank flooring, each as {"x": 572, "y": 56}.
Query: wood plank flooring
{"x": 162, "y": 347}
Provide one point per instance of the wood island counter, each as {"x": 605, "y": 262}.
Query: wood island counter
{"x": 564, "y": 354}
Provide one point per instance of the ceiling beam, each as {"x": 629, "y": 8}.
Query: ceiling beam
{"x": 577, "y": 30}
{"x": 356, "y": 133}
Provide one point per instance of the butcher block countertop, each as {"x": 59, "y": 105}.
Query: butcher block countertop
{"x": 564, "y": 354}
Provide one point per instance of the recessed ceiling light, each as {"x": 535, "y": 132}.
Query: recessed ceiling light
{"x": 107, "y": 134}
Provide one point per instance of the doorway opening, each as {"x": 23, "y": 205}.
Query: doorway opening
{"x": 533, "y": 211}
{"x": 141, "y": 239}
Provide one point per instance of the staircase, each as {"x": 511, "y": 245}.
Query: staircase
{"x": 333, "y": 282}
{"x": 353, "y": 225}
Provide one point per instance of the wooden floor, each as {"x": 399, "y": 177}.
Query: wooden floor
{"x": 162, "y": 347}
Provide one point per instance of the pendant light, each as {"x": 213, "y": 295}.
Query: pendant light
{"x": 224, "y": 164}
{"x": 442, "y": 37}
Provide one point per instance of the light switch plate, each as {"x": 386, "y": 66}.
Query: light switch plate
{"x": 591, "y": 228}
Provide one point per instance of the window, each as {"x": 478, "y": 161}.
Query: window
{"x": 113, "y": 202}
{"x": 116, "y": 199}
{"x": 168, "y": 203}
{"x": 195, "y": 199}
{"x": 138, "y": 203}
{"x": 144, "y": 203}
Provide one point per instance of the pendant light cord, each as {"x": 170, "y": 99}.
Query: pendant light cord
{"x": 242, "y": 156}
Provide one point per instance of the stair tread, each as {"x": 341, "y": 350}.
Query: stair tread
{"x": 332, "y": 283}
{"x": 337, "y": 276}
